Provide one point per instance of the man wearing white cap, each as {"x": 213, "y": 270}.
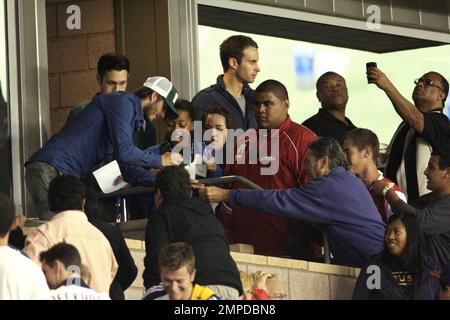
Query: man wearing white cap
{"x": 158, "y": 98}
{"x": 105, "y": 128}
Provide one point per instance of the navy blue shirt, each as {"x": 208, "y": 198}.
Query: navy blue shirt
{"x": 105, "y": 127}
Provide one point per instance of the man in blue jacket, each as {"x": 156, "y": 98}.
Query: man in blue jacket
{"x": 239, "y": 57}
{"x": 103, "y": 128}
{"x": 335, "y": 199}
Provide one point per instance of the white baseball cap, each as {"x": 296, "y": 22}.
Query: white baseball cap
{"x": 165, "y": 89}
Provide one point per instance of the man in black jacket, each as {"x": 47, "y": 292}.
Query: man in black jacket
{"x": 182, "y": 218}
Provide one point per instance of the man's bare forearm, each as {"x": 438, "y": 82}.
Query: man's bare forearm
{"x": 406, "y": 110}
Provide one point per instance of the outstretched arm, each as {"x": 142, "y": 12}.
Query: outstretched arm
{"x": 304, "y": 203}
{"x": 406, "y": 110}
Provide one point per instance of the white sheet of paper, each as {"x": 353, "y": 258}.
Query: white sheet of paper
{"x": 106, "y": 176}
{"x": 197, "y": 168}
{"x": 190, "y": 168}
{"x": 201, "y": 169}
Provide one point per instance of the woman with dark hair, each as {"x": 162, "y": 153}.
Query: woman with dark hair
{"x": 401, "y": 271}
{"x": 184, "y": 122}
{"x": 216, "y": 125}
{"x": 216, "y": 119}
{"x": 179, "y": 129}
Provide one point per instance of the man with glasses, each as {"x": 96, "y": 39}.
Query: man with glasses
{"x": 424, "y": 127}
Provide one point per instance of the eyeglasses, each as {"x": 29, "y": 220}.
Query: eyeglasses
{"x": 427, "y": 82}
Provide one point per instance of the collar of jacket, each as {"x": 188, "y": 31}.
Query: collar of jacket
{"x": 191, "y": 203}
{"x": 284, "y": 127}
{"x": 327, "y": 114}
{"x": 246, "y": 90}
{"x": 70, "y": 214}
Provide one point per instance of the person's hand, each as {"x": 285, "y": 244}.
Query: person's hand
{"x": 118, "y": 180}
{"x": 21, "y": 221}
{"x": 259, "y": 280}
{"x": 378, "y": 186}
{"x": 212, "y": 167}
{"x": 374, "y": 75}
{"x": 210, "y": 161}
{"x": 171, "y": 159}
{"x": 197, "y": 185}
{"x": 215, "y": 194}
{"x": 154, "y": 170}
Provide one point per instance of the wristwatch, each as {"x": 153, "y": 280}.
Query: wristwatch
{"x": 389, "y": 186}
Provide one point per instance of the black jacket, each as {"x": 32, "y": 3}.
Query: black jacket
{"x": 427, "y": 288}
{"x": 191, "y": 221}
{"x": 127, "y": 271}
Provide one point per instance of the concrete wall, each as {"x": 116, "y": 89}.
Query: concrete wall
{"x": 137, "y": 28}
{"x": 426, "y": 15}
{"x": 73, "y": 54}
{"x": 303, "y": 280}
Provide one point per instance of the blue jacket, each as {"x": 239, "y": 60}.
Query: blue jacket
{"x": 105, "y": 127}
{"x": 139, "y": 176}
{"x": 217, "y": 96}
{"x": 338, "y": 201}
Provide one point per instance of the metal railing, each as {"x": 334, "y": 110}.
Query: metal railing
{"x": 211, "y": 181}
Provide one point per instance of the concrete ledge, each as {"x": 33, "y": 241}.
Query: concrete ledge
{"x": 287, "y": 263}
{"x": 133, "y": 244}
{"x": 139, "y": 224}
{"x": 303, "y": 280}
{"x": 241, "y": 247}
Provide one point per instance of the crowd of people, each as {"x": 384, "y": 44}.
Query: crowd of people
{"x": 323, "y": 173}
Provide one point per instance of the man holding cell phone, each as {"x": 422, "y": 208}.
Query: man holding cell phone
{"x": 424, "y": 127}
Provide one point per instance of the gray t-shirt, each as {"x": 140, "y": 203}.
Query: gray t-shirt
{"x": 241, "y": 102}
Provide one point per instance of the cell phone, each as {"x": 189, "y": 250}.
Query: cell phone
{"x": 371, "y": 65}
{"x": 368, "y": 66}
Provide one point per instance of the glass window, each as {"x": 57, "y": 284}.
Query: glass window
{"x": 298, "y": 64}
{"x": 5, "y": 127}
